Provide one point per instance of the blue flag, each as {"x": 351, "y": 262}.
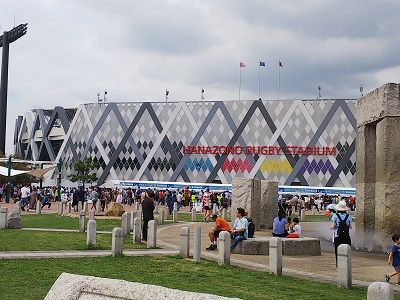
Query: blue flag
{"x": 262, "y": 63}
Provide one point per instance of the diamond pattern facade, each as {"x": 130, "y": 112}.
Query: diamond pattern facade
{"x": 145, "y": 141}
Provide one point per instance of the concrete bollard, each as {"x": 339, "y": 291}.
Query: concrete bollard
{"x": 91, "y": 233}
{"x": 166, "y": 212}
{"x": 184, "y": 243}
{"x": 124, "y": 223}
{"x": 85, "y": 207}
{"x": 293, "y": 210}
{"x": 80, "y": 207}
{"x": 380, "y": 291}
{"x": 98, "y": 206}
{"x": 344, "y": 276}
{"x": 137, "y": 206}
{"x": 193, "y": 214}
{"x": 60, "y": 208}
{"x": 224, "y": 248}
{"x": 82, "y": 221}
{"x": 69, "y": 205}
{"x": 129, "y": 217}
{"x": 162, "y": 217}
{"x": 133, "y": 216}
{"x": 91, "y": 214}
{"x": 137, "y": 231}
{"x": 117, "y": 241}
{"x": 275, "y": 256}
{"x": 39, "y": 207}
{"x": 303, "y": 215}
{"x": 3, "y": 217}
{"x": 175, "y": 216}
{"x": 224, "y": 213}
{"x": 197, "y": 244}
{"x": 152, "y": 234}
{"x": 175, "y": 205}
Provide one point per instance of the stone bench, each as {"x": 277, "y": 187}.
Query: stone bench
{"x": 290, "y": 246}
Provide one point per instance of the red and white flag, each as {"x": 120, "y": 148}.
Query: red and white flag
{"x": 242, "y": 65}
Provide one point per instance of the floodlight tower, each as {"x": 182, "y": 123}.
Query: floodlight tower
{"x": 5, "y": 40}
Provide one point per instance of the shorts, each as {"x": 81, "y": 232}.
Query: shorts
{"x": 397, "y": 268}
{"x": 206, "y": 208}
{"x": 216, "y": 233}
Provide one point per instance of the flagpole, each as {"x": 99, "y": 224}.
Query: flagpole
{"x": 240, "y": 78}
{"x": 279, "y": 79}
{"x": 259, "y": 81}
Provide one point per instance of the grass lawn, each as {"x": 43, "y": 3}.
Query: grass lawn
{"x": 54, "y": 221}
{"x": 24, "y": 240}
{"x": 169, "y": 271}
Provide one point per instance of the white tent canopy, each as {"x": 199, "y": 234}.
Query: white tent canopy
{"x": 4, "y": 171}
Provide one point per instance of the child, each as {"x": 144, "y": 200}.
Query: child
{"x": 394, "y": 258}
{"x": 295, "y": 229}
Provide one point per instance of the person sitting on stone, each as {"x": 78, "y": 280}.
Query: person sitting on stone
{"x": 220, "y": 225}
{"x": 280, "y": 225}
{"x": 240, "y": 228}
{"x": 294, "y": 229}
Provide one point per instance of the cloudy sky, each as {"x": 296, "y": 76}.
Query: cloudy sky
{"x": 137, "y": 49}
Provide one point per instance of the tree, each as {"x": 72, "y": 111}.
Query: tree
{"x": 84, "y": 170}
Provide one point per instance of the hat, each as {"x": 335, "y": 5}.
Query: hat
{"x": 341, "y": 206}
{"x": 214, "y": 216}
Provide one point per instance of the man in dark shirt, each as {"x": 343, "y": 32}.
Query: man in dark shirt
{"x": 147, "y": 209}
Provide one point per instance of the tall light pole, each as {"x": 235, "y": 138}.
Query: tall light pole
{"x": 5, "y": 40}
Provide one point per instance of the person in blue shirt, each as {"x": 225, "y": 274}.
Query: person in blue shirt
{"x": 341, "y": 224}
{"x": 240, "y": 228}
{"x": 394, "y": 258}
{"x": 280, "y": 226}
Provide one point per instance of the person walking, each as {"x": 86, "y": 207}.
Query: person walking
{"x": 148, "y": 212}
{"x": 341, "y": 224}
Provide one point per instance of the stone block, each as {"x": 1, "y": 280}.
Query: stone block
{"x": 193, "y": 214}
{"x": 39, "y": 207}
{"x": 117, "y": 241}
{"x": 224, "y": 248}
{"x": 60, "y": 208}
{"x": 3, "y": 217}
{"x": 14, "y": 219}
{"x": 380, "y": 291}
{"x": 275, "y": 256}
{"x": 197, "y": 244}
{"x": 116, "y": 210}
{"x": 246, "y": 193}
{"x": 344, "y": 275}
{"x": 69, "y": 207}
{"x": 98, "y": 206}
{"x": 137, "y": 231}
{"x": 269, "y": 203}
{"x": 302, "y": 215}
{"x": 175, "y": 205}
{"x": 184, "y": 242}
{"x": 91, "y": 233}
{"x": 79, "y": 287}
{"x": 124, "y": 226}
{"x": 91, "y": 214}
{"x": 161, "y": 216}
{"x": 82, "y": 221}
{"x": 86, "y": 207}
{"x": 152, "y": 234}
{"x": 80, "y": 206}
{"x": 175, "y": 216}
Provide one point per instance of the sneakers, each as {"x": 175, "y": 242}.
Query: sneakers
{"x": 212, "y": 247}
{"x": 387, "y": 277}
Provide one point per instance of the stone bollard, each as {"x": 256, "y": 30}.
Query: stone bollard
{"x": 3, "y": 217}
{"x": 133, "y": 216}
{"x": 125, "y": 224}
{"x": 224, "y": 213}
{"x": 69, "y": 204}
{"x": 303, "y": 215}
{"x": 197, "y": 244}
{"x": 152, "y": 234}
{"x": 161, "y": 216}
{"x": 98, "y": 206}
{"x": 60, "y": 208}
{"x": 175, "y": 205}
{"x": 137, "y": 206}
{"x": 193, "y": 214}
{"x": 85, "y": 207}
{"x": 91, "y": 233}
{"x": 380, "y": 291}
{"x": 275, "y": 256}
{"x": 293, "y": 210}
{"x": 91, "y": 214}
{"x": 175, "y": 216}
{"x": 137, "y": 231}
{"x": 80, "y": 207}
{"x": 166, "y": 212}
{"x": 215, "y": 208}
{"x": 184, "y": 244}
{"x": 224, "y": 248}
{"x": 82, "y": 221}
{"x": 117, "y": 241}
{"x": 129, "y": 217}
{"x": 39, "y": 207}
{"x": 344, "y": 276}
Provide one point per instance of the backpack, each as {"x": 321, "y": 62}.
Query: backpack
{"x": 343, "y": 229}
{"x": 251, "y": 228}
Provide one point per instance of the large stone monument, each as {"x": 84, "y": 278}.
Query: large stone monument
{"x": 378, "y": 166}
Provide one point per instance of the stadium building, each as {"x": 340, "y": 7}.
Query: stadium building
{"x": 294, "y": 142}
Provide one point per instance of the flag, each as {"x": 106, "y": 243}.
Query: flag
{"x": 280, "y": 64}
{"x": 262, "y": 63}
{"x": 242, "y": 65}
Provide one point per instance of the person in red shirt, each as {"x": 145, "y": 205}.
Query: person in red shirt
{"x": 220, "y": 225}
